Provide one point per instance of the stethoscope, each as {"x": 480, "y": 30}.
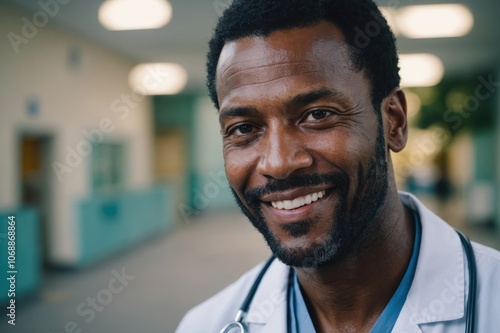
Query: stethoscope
{"x": 470, "y": 314}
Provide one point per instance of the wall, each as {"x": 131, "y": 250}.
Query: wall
{"x": 497, "y": 149}
{"x": 76, "y": 85}
{"x": 212, "y": 185}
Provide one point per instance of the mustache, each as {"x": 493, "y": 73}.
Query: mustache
{"x": 336, "y": 179}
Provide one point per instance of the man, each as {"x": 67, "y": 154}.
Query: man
{"x": 309, "y": 111}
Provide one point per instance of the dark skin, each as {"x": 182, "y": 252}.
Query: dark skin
{"x": 292, "y": 104}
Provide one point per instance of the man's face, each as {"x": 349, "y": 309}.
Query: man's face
{"x": 304, "y": 150}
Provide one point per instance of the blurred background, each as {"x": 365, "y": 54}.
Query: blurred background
{"x": 111, "y": 160}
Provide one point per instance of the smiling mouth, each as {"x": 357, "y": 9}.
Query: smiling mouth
{"x": 299, "y": 201}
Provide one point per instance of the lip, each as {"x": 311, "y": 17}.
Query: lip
{"x": 295, "y": 193}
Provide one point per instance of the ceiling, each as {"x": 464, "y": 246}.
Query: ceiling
{"x": 184, "y": 39}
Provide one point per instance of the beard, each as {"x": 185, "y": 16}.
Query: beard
{"x": 353, "y": 221}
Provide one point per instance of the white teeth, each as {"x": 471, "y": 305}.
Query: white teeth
{"x": 298, "y": 202}
{"x": 308, "y": 199}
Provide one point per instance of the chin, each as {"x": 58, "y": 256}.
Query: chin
{"x": 301, "y": 253}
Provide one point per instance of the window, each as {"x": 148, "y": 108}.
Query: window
{"x": 108, "y": 167}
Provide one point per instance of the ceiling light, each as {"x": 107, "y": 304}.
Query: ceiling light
{"x": 435, "y": 21}
{"x": 158, "y": 78}
{"x": 420, "y": 70}
{"x": 134, "y": 14}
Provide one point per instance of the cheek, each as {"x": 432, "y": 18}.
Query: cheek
{"x": 342, "y": 148}
{"x": 357, "y": 150}
{"x": 239, "y": 166}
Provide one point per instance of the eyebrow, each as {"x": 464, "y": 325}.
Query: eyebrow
{"x": 239, "y": 111}
{"x": 300, "y": 99}
{"x": 313, "y": 96}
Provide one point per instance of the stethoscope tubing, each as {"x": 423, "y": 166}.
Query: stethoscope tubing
{"x": 240, "y": 316}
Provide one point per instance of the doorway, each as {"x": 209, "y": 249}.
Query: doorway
{"x": 171, "y": 163}
{"x": 35, "y": 153}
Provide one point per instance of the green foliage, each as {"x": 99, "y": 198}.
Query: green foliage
{"x": 458, "y": 104}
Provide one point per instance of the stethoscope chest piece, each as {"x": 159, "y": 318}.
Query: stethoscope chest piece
{"x": 237, "y": 325}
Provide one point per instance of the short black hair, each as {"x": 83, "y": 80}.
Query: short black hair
{"x": 372, "y": 43}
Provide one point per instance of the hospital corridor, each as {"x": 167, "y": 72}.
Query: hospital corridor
{"x": 164, "y": 277}
{"x": 117, "y": 181}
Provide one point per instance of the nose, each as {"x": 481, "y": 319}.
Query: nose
{"x": 282, "y": 155}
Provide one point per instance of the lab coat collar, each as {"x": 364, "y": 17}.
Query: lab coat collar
{"x": 437, "y": 292}
{"x": 269, "y": 306}
{"x": 438, "y": 289}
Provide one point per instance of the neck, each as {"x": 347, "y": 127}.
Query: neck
{"x": 353, "y": 292}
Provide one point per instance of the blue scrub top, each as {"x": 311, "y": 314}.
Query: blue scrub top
{"x": 300, "y": 320}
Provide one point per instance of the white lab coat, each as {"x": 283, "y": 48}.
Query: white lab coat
{"x": 435, "y": 302}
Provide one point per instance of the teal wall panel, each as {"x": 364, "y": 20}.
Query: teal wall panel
{"x": 27, "y": 261}
{"x": 110, "y": 223}
{"x": 213, "y": 192}
{"x": 482, "y": 192}
{"x": 484, "y": 151}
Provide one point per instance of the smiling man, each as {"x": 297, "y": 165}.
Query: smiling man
{"x": 310, "y": 109}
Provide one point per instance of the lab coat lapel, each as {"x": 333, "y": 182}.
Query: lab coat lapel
{"x": 277, "y": 322}
{"x": 438, "y": 289}
{"x": 269, "y": 306}
{"x": 405, "y": 322}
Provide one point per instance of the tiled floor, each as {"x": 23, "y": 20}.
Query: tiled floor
{"x": 164, "y": 278}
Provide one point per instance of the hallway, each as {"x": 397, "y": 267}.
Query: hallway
{"x": 163, "y": 278}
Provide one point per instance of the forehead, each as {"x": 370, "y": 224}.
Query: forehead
{"x": 311, "y": 54}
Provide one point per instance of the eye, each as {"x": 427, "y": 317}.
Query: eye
{"x": 318, "y": 115}
{"x": 243, "y": 129}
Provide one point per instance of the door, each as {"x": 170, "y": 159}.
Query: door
{"x": 171, "y": 163}
{"x": 35, "y": 182}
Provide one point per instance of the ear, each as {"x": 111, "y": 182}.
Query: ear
{"x": 395, "y": 120}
